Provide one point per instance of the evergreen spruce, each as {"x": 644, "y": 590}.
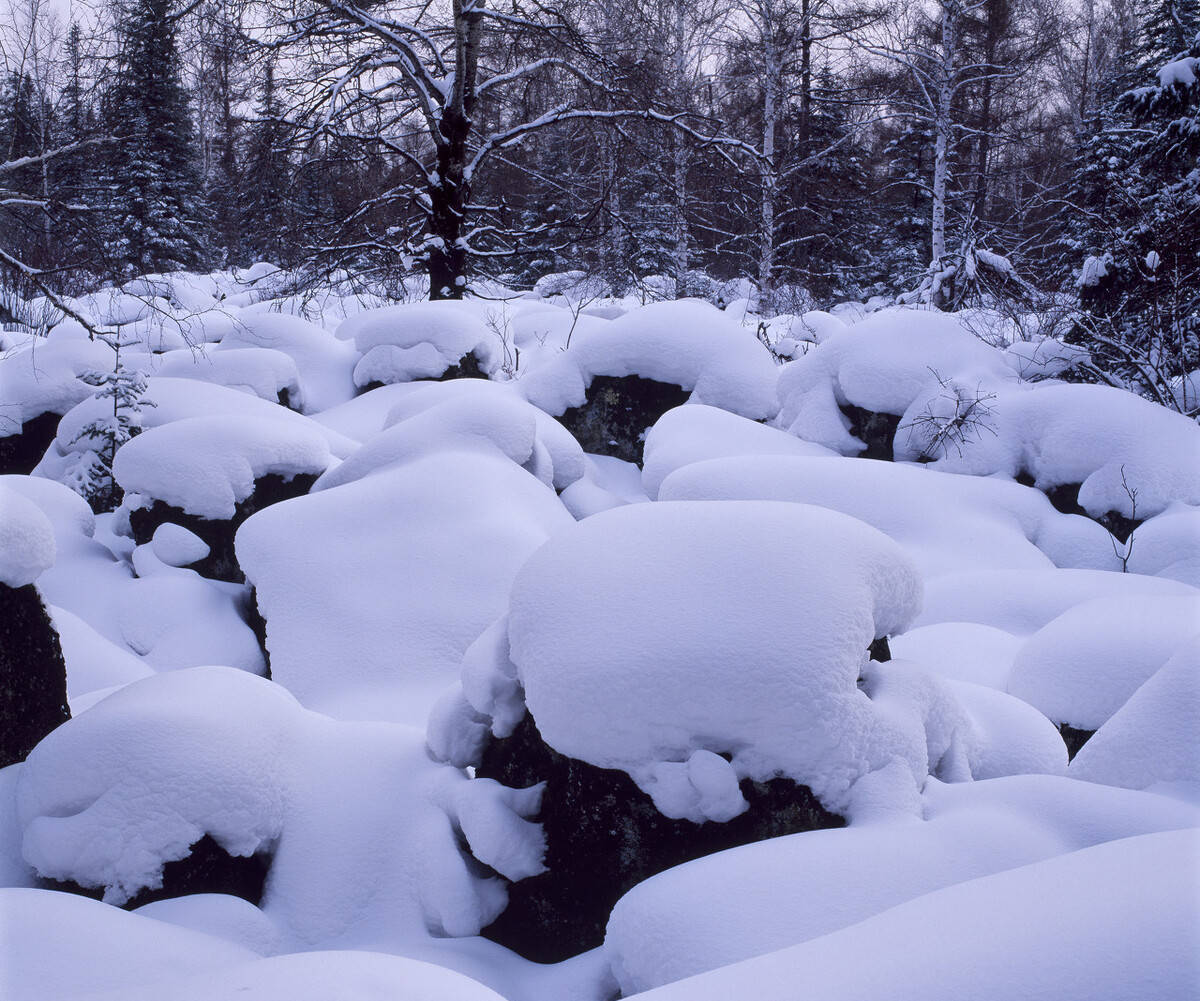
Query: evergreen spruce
{"x": 1134, "y": 231}
{"x": 158, "y": 218}
{"x": 267, "y": 179}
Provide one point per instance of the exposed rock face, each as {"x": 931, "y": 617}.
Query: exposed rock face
{"x": 20, "y": 452}
{"x": 877, "y": 431}
{"x": 603, "y": 835}
{"x": 207, "y": 869}
{"x": 221, "y": 561}
{"x": 33, "y": 674}
{"x": 1065, "y": 498}
{"x": 1073, "y": 738}
{"x": 468, "y": 367}
{"x": 617, "y": 413}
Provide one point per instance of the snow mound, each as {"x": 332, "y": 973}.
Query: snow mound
{"x": 176, "y": 618}
{"x": 1119, "y": 924}
{"x": 41, "y": 376}
{"x": 757, "y": 898}
{"x": 208, "y": 747}
{"x": 655, "y": 637}
{"x": 1022, "y": 602}
{"x": 946, "y": 523}
{"x": 175, "y": 546}
{"x": 93, "y": 662}
{"x": 261, "y": 371}
{"x": 695, "y": 432}
{"x": 450, "y": 416}
{"x": 221, "y": 915}
{"x": 1083, "y": 666}
{"x": 1152, "y": 737}
{"x": 347, "y": 975}
{"x": 687, "y": 343}
{"x": 961, "y": 651}
{"x": 425, "y": 553}
{"x": 1124, "y": 450}
{"x": 324, "y": 363}
{"x": 27, "y": 546}
{"x": 60, "y": 945}
{"x": 1168, "y": 545}
{"x": 1042, "y": 358}
{"x": 174, "y": 400}
{"x": 1011, "y": 737}
{"x": 607, "y": 482}
{"x": 559, "y": 445}
{"x": 417, "y": 341}
{"x": 207, "y": 465}
{"x": 360, "y": 418}
{"x": 362, "y": 829}
{"x": 882, "y": 364}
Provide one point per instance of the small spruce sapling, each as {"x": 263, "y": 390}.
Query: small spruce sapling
{"x": 92, "y": 476}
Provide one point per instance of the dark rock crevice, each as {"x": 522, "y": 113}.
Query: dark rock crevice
{"x": 221, "y": 561}
{"x": 1074, "y": 738}
{"x": 1065, "y": 498}
{"x": 208, "y": 868}
{"x": 618, "y": 412}
{"x": 877, "y": 431}
{"x": 604, "y": 835}
{"x": 467, "y": 367}
{"x": 33, "y": 674}
{"x": 20, "y": 452}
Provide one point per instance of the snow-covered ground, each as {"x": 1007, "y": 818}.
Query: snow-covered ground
{"x": 413, "y": 571}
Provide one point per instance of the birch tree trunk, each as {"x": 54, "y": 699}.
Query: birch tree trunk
{"x": 773, "y": 70}
{"x": 943, "y": 127}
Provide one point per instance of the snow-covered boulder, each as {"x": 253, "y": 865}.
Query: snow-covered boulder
{"x": 1083, "y": 666}
{"x": 1168, "y": 545}
{"x": 209, "y": 474}
{"x": 850, "y": 392}
{"x": 410, "y": 562}
{"x": 755, "y": 899}
{"x": 1119, "y": 924}
{"x": 466, "y": 415}
{"x": 359, "y": 828}
{"x": 616, "y": 380}
{"x": 347, "y": 974}
{"x": 60, "y": 945}
{"x": 714, "y": 653}
{"x": 1116, "y": 452}
{"x": 39, "y": 382}
{"x": 267, "y": 373}
{"x": 172, "y": 621}
{"x": 429, "y": 340}
{"x": 695, "y": 432}
{"x": 324, "y": 364}
{"x": 167, "y": 399}
{"x": 946, "y": 523}
{"x": 1151, "y": 739}
{"x": 33, "y": 675}
{"x": 215, "y": 758}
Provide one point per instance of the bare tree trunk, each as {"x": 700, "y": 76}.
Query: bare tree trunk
{"x": 773, "y": 68}
{"x": 682, "y": 237}
{"x": 680, "y": 148}
{"x": 943, "y": 127}
{"x": 450, "y": 194}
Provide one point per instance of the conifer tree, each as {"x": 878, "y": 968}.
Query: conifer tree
{"x": 1137, "y": 196}
{"x": 158, "y": 218}
{"x": 265, "y": 216}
